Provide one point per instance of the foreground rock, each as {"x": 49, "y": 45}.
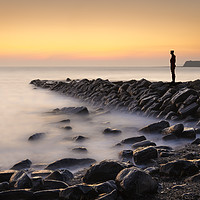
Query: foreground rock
{"x": 24, "y": 164}
{"x": 70, "y": 163}
{"x": 133, "y": 182}
{"x": 103, "y": 171}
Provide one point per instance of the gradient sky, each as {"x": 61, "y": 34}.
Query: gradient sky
{"x": 98, "y": 32}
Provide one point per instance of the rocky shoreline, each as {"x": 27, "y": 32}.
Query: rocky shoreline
{"x": 179, "y": 101}
{"x": 144, "y": 171}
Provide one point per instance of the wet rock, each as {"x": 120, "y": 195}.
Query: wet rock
{"x": 70, "y": 163}
{"x": 36, "y": 136}
{"x": 152, "y": 170}
{"x": 191, "y": 99}
{"x": 4, "y": 186}
{"x": 111, "y": 131}
{"x": 103, "y": 171}
{"x": 197, "y": 141}
{"x": 168, "y": 148}
{"x": 54, "y": 184}
{"x": 144, "y": 143}
{"x": 15, "y": 177}
{"x": 177, "y": 130}
{"x": 111, "y": 196}
{"x": 133, "y": 140}
{"x": 79, "y": 138}
{"x": 187, "y": 110}
{"x": 77, "y": 192}
{"x": 126, "y": 155}
{"x": 105, "y": 187}
{"x": 179, "y": 168}
{"x": 166, "y": 154}
{"x": 155, "y": 127}
{"x": 134, "y": 182}
{"x": 61, "y": 175}
{"x": 6, "y": 174}
{"x": 80, "y": 149}
{"x": 169, "y": 137}
{"x": 67, "y": 127}
{"x": 142, "y": 156}
{"x": 197, "y": 130}
{"x": 72, "y": 110}
{"x": 17, "y": 195}
{"x": 47, "y": 194}
{"x": 182, "y": 95}
{"x": 24, "y": 164}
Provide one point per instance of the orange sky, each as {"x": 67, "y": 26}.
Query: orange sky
{"x": 98, "y": 32}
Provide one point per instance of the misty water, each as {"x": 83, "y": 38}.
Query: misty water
{"x": 24, "y": 111}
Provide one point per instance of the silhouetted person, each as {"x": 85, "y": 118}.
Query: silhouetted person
{"x": 173, "y": 65}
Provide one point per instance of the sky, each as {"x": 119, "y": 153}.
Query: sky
{"x": 98, "y": 32}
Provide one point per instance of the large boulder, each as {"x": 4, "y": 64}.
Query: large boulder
{"x": 72, "y": 110}
{"x": 103, "y": 171}
{"x": 133, "y": 182}
{"x": 142, "y": 156}
{"x": 70, "y": 163}
{"x": 144, "y": 143}
{"x": 179, "y": 168}
{"x": 155, "y": 127}
{"x": 24, "y": 164}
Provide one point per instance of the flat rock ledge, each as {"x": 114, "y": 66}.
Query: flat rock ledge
{"x": 179, "y": 101}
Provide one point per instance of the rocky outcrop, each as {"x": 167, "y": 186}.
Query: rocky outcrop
{"x": 192, "y": 64}
{"x": 158, "y": 99}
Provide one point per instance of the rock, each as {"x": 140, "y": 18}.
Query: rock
{"x": 134, "y": 182}
{"x": 191, "y": 99}
{"x": 187, "y": 110}
{"x": 4, "y": 186}
{"x": 142, "y": 156}
{"x": 54, "y": 184}
{"x": 6, "y": 174}
{"x": 179, "y": 168}
{"x": 37, "y": 183}
{"x": 70, "y": 163}
{"x": 133, "y": 140}
{"x": 47, "y": 194}
{"x": 78, "y": 192}
{"x": 105, "y": 187}
{"x": 65, "y": 121}
{"x": 42, "y": 173}
{"x": 111, "y": 131}
{"x": 168, "y": 148}
{"x": 197, "y": 141}
{"x": 155, "y": 127}
{"x": 17, "y": 195}
{"x": 194, "y": 178}
{"x": 80, "y": 150}
{"x": 177, "y": 130}
{"x": 182, "y": 95}
{"x": 144, "y": 143}
{"x": 152, "y": 170}
{"x": 103, "y": 171}
{"x": 24, "y": 164}
{"x": 169, "y": 137}
{"x": 67, "y": 127}
{"x": 111, "y": 196}
{"x": 126, "y": 155}
{"x": 188, "y": 133}
{"x": 166, "y": 154}
{"x": 36, "y": 136}
{"x": 20, "y": 180}
{"x": 197, "y": 130}
{"x": 79, "y": 138}
{"x": 61, "y": 175}
{"x": 72, "y": 110}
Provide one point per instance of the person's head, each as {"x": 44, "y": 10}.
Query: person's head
{"x": 172, "y": 52}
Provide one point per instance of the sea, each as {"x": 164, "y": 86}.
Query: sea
{"x": 26, "y": 110}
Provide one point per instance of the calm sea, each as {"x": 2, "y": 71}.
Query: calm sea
{"x": 24, "y": 112}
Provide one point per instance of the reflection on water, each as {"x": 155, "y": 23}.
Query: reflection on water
{"x": 24, "y": 112}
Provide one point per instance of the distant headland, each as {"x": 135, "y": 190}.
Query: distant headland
{"x": 192, "y": 64}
